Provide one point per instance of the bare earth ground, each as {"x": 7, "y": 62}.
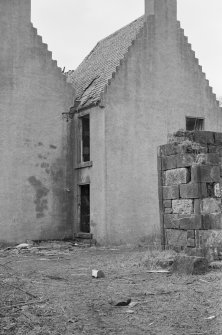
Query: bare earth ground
{"x": 49, "y": 290}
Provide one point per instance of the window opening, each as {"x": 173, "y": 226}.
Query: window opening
{"x": 194, "y": 123}
{"x": 85, "y": 145}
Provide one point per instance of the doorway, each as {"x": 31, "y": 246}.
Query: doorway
{"x": 85, "y": 208}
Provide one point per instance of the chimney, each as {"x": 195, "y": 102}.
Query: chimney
{"x": 162, "y": 9}
{"x": 149, "y": 7}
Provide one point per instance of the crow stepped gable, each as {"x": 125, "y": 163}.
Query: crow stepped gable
{"x": 96, "y": 175}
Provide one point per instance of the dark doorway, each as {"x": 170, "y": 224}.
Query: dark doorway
{"x": 85, "y": 208}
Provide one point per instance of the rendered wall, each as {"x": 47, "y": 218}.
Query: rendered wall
{"x": 156, "y": 86}
{"x": 34, "y": 140}
{"x": 190, "y": 171}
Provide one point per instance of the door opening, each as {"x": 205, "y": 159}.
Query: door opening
{"x": 85, "y": 208}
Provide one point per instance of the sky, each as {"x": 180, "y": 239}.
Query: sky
{"x": 72, "y": 28}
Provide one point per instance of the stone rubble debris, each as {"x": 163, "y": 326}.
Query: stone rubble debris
{"x": 98, "y": 274}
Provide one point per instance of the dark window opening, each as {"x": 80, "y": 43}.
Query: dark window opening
{"x": 85, "y": 138}
{"x": 194, "y": 123}
{"x": 85, "y": 209}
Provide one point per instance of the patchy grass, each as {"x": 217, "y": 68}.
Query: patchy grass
{"x": 155, "y": 259}
{"x": 50, "y": 291}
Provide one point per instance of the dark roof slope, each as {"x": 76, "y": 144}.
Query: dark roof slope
{"x": 92, "y": 75}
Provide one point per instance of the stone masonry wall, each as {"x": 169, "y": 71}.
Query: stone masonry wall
{"x": 190, "y": 187}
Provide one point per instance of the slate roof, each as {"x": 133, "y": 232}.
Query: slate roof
{"x": 92, "y": 75}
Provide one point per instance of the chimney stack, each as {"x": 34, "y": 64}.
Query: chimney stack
{"x": 163, "y": 9}
{"x": 149, "y": 7}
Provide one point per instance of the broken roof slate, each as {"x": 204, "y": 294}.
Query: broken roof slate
{"x": 93, "y": 74}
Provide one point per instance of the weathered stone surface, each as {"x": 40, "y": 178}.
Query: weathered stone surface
{"x": 215, "y": 149}
{"x": 209, "y": 239}
{"x": 170, "y": 192}
{"x": 185, "y": 160}
{"x": 167, "y": 203}
{"x": 208, "y": 158}
{"x": 171, "y": 221}
{"x": 191, "y": 234}
{"x": 168, "y": 149}
{"x": 176, "y": 176}
{"x": 193, "y": 190}
{"x": 204, "y": 137}
{"x": 190, "y": 222}
{"x": 217, "y": 190}
{"x": 168, "y": 211}
{"x": 205, "y": 173}
{"x": 212, "y": 221}
{"x": 169, "y": 162}
{"x": 191, "y": 243}
{"x": 197, "y": 206}
{"x": 218, "y": 138}
{"x": 176, "y": 238}
{"x": 190, "y": 265}
{"x": 211, "y": 205}
{"x": 182, "y": 206}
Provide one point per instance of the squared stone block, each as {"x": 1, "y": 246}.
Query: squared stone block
{"x": 167, "y": 203}
{"x": 169, "y": 162}
{"x": 197, "y": 206}
{"x": 205, "y": 173}
{"x": 209, "y": 239}
{"x": 210, "y": 205}
{"x": 204, "y": 137}
{"x": 218, "y": 138}
{"x": 215, "y": 149}
{"x": 191, "y": 234}
{"x": 190, "y": 265}
{"x": 212, "y": 221}
{"x": 170, "y": 192}
{"x": 168, "y": 149}
{"x": 208, "y": 159}
{"x": 191, "y": 222}
{"x": 185, "y": 160}
{"x": 176, "y": 177}
{"x": 176, "y": 238}
{"x": 171, "y": 221}
{"x": 182, "y": 206}
{"x": 193, "y": 190}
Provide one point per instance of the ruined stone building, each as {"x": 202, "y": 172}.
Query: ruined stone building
{"x": 97, "y": 173}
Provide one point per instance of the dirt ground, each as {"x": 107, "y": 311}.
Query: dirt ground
{"x": 49, "y": 290}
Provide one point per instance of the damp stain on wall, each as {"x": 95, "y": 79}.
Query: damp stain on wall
{"x": 41, "y": 192}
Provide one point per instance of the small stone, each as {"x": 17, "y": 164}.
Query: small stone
{"x": 98, "y": 274}
{"x": 123, "y": 303}
{"x": 23, "y": 246}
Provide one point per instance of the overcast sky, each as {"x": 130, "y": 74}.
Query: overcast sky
{"x": 73, "y": 27}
